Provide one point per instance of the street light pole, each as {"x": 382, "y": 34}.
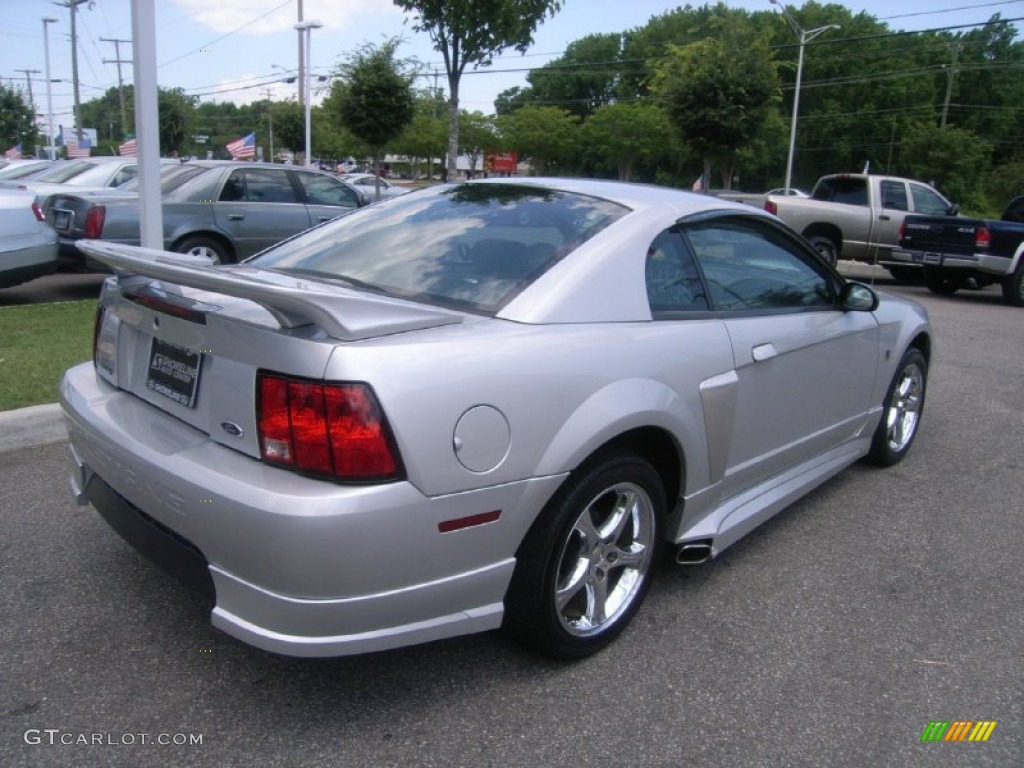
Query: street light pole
{"x": 805, "y": 36}
{"x": 305, "y": 28}
{"x": 50, "y": 148}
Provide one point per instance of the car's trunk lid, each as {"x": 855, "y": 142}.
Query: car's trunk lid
{"x": 189, "y": 338}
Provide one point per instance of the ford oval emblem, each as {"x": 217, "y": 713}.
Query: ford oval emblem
{"x": 232, "y": 429}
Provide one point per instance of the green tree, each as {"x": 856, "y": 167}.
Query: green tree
{"x": 583, "y": 78}
{"x": 470, "y": 32}
{"x": 289, "y": 126}
{"x": 1005, "y": 182}
{"x": 956, "y": 160}
{"x": 627, "y": 134}
{"x": 476, "y": 135}
{"x": 373, "y": 98}
{"x": 511, "y": 99}
{"x": 546, "y": 135}
{"x": 718, "y": 94}
{"x": 178, "y": 118}
{"x": 17, "y": 123}
{"x": 427, "y": 135}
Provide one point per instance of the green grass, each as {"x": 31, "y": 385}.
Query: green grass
{"x": 38, "y": 342}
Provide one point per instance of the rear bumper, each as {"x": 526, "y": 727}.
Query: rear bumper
{"x": 981, "y": 262}
{"x": 297, "y": 566}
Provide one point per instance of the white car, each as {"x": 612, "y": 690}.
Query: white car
{"x": 28, "y": 246}
{"x": 366, "y": 184}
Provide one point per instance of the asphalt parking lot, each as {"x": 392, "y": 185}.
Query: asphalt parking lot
{"x": 832, "y": 636}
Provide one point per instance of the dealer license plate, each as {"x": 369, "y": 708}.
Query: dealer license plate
{"x": 62, "y": 220}
{"x": 174, "y": 372}
{"x": 933, "y": 258}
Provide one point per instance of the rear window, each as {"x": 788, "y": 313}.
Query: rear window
{"x": 842, "y": 189}
{"x": 62, "y": 172}
{"x": 470, "y": 246}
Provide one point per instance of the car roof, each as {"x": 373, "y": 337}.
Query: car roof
{"x": 638, "y": 197}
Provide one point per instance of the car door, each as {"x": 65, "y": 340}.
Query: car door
{"x": 326, "y": 197}
{"x": 805, "y": 369}
{"x": 893, "y": 206}
{"x": 259, "y": 207}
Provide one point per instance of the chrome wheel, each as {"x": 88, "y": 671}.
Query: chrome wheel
{"x": 586, "y": 563}
{"x": 904, "y": 411}
{"x": 901, "y": 411}
{"x": 605, "y": 559}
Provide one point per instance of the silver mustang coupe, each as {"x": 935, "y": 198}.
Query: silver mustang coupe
{"x": 480, "y": 405}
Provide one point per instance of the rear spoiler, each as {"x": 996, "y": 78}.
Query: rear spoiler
{"x": 342, "y": 313}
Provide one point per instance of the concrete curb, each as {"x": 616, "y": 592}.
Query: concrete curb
{"x": 32, "y": 426}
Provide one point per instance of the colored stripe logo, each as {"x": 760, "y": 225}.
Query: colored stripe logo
{"x": 958, "y": 730}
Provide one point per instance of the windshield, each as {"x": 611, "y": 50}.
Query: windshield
{"x": 63, "y": 171}
{"x": 171, "y": 177}
{"x": 470, "y": 246}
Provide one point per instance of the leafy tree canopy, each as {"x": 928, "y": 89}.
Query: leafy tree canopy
{"x": 17, "y": 123}
{"x": 471, "y": 32}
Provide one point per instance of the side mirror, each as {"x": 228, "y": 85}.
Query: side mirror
{"x": 857, "y": 297}
{"x": 954, "y": 209}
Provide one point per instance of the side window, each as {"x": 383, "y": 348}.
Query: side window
{"x": 234, "y": 187}
{"x": 894, "y": 195}
{"x": 751, "y": 266}
{"x": 673, "y": 282}
{"x": 842, "y": 189}
{"x": 127, "y": 173}
{"x": 927, "y": 201}
{"x": 268, "y": 186}
{"x": 323, "y": 190}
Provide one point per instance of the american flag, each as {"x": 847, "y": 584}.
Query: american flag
{"x": 129, "y": 148}
{"x": 243, "y": 147}
{"x": 76, "y": 149}
{"x": 14, "y": 153}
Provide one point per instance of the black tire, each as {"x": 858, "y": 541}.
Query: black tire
{"x": 907, "y": 274}
{"x": 901, "y": 411}
{"x": 1013, "y": 287}
{"x": 943, "y": 283}
{"x": 827, "y": 247}
{"x": 206, "y": 246}
{"x": 575, "y": 547}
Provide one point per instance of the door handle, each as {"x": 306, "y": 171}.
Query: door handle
{"x": 236, "y": 217}
{"x": 883, "y": 217}
{"x": 763, "y": 352}
{"x": 325, "y": 218}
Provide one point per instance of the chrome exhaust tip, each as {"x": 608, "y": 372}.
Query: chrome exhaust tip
{"x": 694, "y": 553}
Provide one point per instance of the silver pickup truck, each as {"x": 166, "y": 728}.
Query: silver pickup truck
{"x": 858, "y": 216}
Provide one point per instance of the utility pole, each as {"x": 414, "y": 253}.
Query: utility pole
{"x": 72, "y": 5}
{"x": 949, "y": 85}
{"x": 270, "y": 119}
{"x": 302, "y": 58}
{"x": 28, "y": 79}
{"x": 120, "y": 83}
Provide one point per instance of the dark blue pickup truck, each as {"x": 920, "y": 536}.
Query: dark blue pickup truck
{"x": 956, "y": 252}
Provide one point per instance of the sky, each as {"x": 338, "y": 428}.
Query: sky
{"x": 241, "y": 50}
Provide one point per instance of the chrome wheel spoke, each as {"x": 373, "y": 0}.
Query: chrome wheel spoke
{"x": 605, "y": 559}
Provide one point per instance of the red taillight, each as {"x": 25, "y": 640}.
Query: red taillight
{"x": 903, "y": 229}
{"x": 38, "y": 211}
{"x": 771, "y": 207}
{"x": 93, "y": 226}
{"x": 982, "y": 239}
{"x": 326, "y": 429}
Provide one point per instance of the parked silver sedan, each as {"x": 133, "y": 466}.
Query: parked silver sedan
{"x": 228, "y": 213}
{"x": 481, "y": 405}
{"x": 28, "y": 248}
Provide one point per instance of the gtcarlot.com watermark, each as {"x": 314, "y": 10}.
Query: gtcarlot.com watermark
{"x": 55, "y": 736}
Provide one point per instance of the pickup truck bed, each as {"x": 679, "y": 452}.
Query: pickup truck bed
{"x": 957, "y": 251}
